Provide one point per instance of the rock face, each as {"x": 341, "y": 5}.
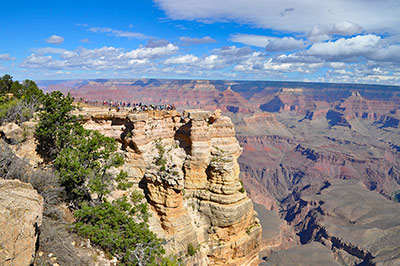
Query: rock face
{"x": 312, "y": 254}
{"x": 21, "y": 210}
{"x": 361, "y": 227}
{"x": 187, "y": 166}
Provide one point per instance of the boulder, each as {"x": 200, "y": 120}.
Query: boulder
{"x": 21, "y": 210}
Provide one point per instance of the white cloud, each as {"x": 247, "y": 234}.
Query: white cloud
{"x": 86, "y": 40}
{"x": 284, "y": 44}
{"x": 345, "y": 49}
{"x": 152, "y": 52}
{"x": 271, "y": 44}
{"x": 6, "y": 57}
{"x": 251, "y": 39}
{"x": 370, "y": 72}
{"x": 97, "y": 59}
{"x": 182, "y": 59}
{"x": 119, "y": 33}
{"x": 189, "y": 40}
{"x": 233, "y": 51}
{"x": 318, "y": 33}
{"x": 55, "y": 39}
{"x": 49, "y": 50}
{"x": 371, "y": 15}
{"x": 390, "y": 53}
{"x": 346, "y": 28}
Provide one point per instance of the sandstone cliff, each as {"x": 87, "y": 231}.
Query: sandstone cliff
{"x": 187, "y": 167}
{"x": 21, "y": 210}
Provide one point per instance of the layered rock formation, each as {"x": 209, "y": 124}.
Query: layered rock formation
{"x": 187, "y": 166}
{"x": 293, "y": 134}
{"x": 361, "y": 227}
{"x": 21, "y": 210}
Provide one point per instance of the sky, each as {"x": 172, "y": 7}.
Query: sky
{"x": 343, "y": 41}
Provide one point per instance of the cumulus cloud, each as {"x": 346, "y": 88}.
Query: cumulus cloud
{"x": 369, "y": 72}
{"x": 284, "y": 44}
{"x": 6, "y": 57}
{"x": 343, "y": 28}
{"x": 49, "y": 50}
{"x": 271, "y": 44}
{"x": 318, "y": 33}
{"x": 119, "y": 33}
{"x": 55, "y": 39}
{"x": 97, "y": 59}
{"x": 258, "y": 64}
{"x": 86, "y": 40}
{"x": 152, "y": 52}
{"x": 233, "y": 51}
{"x": 346, "y": 28}
{"x": 182, "y": 59}
{"x": 300, "y": 16}
{"x": 345, "y": 49}
{"x": 251, "y": 39}
{"x": 189, "y": 40}
{"x": 390, "y": 53}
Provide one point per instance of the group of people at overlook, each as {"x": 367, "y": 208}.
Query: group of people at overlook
{"x": 134, "y": 107}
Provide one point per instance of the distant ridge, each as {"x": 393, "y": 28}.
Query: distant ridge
{"x": 233, "y": 83}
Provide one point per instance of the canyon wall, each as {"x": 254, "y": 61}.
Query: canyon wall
{"x": 360, "y": 227}
{"x": 186, "y": 165}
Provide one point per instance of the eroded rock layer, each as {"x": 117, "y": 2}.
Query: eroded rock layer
{"x": 361, "y": 227}
{"x": 187, "y": 166}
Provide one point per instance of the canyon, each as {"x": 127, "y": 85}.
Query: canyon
{"x": 293, "y": 136}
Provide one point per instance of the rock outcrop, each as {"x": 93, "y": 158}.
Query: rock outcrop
{"x": 360, "y": 227}
{"x": 21, "y": 210}
{"x": 187, "y": 166}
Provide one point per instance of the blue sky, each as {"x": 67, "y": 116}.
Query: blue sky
{"x": 340, "y": 41}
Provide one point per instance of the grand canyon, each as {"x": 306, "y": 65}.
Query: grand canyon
{"x": 320, "y": 161}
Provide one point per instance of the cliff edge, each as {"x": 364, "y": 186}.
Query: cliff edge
{"x": 186, "y": 165}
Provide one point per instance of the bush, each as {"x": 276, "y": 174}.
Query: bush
{"x": 17, "y": 111}
{"x": 241, "y": 190}
{"x": 84, "y": 165}
{"x": 25, "y": 100}
{"x": 56, "y": 122}
{"x": 191, "y": 250}
{"x": 120, "y": 229}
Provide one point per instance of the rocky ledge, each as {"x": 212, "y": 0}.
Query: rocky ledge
{"x": 186, "y": 165}
{"x": 21, "y": 210}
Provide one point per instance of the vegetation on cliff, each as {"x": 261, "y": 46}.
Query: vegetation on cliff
{"x": 18, "y": 101}
{"x": 83, "y": 159}
{"x": 80, "y": 171}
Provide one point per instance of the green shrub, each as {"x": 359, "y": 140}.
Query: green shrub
{"x": 84, "y": 165}
{"x": 241, "y": 190}
{"x": 54, "y": 129}
{"x": 113, "y": 227}
{"x": 191, "y": 250}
